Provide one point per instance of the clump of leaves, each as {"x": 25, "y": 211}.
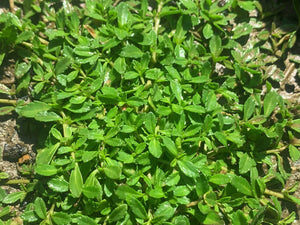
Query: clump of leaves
{"x": 143, "y": 127}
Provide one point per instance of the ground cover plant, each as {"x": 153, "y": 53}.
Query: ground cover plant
{"x": 150, "y": 112}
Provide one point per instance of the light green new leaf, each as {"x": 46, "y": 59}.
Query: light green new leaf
{"x": 150, "y": 122}
{"x": 131, "y": 51}
{"x": 155, "y": 148}
{"x": 76, "y": 181}
{"x": 137, "y": 208}
{"x": 40, "y": 208}
{"x": 242, "y": 185}
{"x": 270, "y": 103}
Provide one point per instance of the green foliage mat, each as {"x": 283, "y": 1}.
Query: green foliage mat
{"x": 154, "y": 112}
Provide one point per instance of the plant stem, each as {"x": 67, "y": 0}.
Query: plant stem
{"x": 156, "y": 25}
{"x": 8, "y": 101}
{"x": 21, "y": 181}
{"x": 273, "y": 193}
{"x": 276, "y": 150}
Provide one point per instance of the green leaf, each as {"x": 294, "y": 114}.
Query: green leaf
{"x": 150, "y": 123}
{"x": 120, "y": 65}
{"x": 131, "y": 51}
{"x": 85, "y": 220}
{"x": 181, "y": 191}
{"x": 212, "y": 218}
{"x": 155, "y": 148}
{"x": 171, "y": 147}
{"x": 91, "y": 191}
{"x": 195, "y": 109}
{"x": 58, "y": 184}
{"x": 61, "y": 218}
{"x": 246, "y": 5}
{"x": 32, "y": 109}
{"x": 118, "y": 213}
{"x": 123, "y": 14}
{"x": 219, "y": 179}
{"x": 123, "y": 191}
{"x": 47, "y": 116}
{"x": 176, "y": 89}
{"x": 137, "y": 208}
{"x": 249, "y": 108}
{"x": 239, "y": 218}
{"x": 208, "y": 31}
{"x": 242, "y": 185}
{"x": 270, "y": 102}
{"x": 45, "y": 155}
{"x": 188, "y": 168}
{"x": 13, "y": 197}
{"x": 294, "y": 153}
{"x": 40, "y": 208}
{"x": 189, "y": 4}
{"x": 6, "y": 110}
{"x": 29, "y": 216}
{"x": 46, "y": 170}
{"x": 61, "y": 65}
{"x": 76, "y": 182}
{"x": 245, "y": 163}
{"x": 215, "y": 46}
{"x": 113, "y": 172}
{"x": 164, "y": 212}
